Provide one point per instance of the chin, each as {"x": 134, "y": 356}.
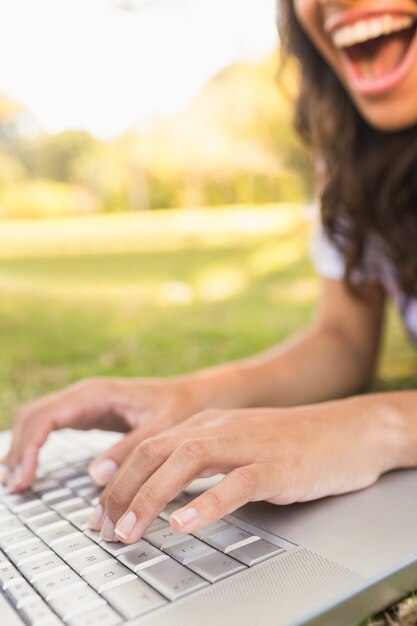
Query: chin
{"x": 385, "y": 118}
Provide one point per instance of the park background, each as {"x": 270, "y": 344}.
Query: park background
{"x": 157, "y": 244}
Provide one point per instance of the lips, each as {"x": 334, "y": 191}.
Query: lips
{"x": 377, "y": 50}
{"x": 380, "y": 57}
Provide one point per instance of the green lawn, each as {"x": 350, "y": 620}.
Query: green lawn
{"x": 155, "y": 294}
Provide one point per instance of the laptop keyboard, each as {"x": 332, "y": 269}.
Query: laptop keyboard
{"x": 54, "y": 569}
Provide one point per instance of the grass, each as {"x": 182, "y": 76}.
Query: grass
{"x": 157, "y": 294}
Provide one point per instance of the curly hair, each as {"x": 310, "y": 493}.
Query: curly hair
{"x": 369, "y": 179}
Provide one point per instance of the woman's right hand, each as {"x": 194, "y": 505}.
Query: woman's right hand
{"x": 144, "y": 407}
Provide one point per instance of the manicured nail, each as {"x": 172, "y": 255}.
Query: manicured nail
{"x": 184, "y": 518}
{"x": 95, "y": 520}
{"x": 126, "y": 525}
{"x": 102, "y": 471}
{"x": 107, "y": 530}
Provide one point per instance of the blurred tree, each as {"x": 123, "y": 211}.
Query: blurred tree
{"x": 234, "y": 144}
{"x": 53, "y": 156}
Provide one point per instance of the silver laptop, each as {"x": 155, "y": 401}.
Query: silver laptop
{"x": 331, "y": 562}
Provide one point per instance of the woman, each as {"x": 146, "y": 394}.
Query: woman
{"x": 287, "y": 425}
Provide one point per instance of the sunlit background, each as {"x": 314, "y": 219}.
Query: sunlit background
{"x": 155, "y": 202}
{"x": 106, "y": 65}
{"x": 115, "y": 105}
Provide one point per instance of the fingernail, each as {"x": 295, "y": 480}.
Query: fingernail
{"x": 107, "y": 530}
{"x": 126, "y": 524}
{"x": 102, "y": 471}
{"x": 95, "y": 520}
{"x": 184, "y": 518}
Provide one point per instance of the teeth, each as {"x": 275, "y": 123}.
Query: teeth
{"x": 365, "y": 30}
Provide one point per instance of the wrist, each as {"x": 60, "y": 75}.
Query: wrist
{"x": 392, "y": 418}
{"x": 216, "y": 387}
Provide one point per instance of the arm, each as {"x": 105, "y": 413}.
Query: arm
{"x": 283, "y": 455}
{"x": 303, "y": 370}
{"x": 300, "y": 371}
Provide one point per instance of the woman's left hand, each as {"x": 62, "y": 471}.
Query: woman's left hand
{"x": 279, "y": 455}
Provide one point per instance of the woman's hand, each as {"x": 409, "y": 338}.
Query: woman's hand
{"x": 279, "y": 455}
{"x": 143, "y": 406}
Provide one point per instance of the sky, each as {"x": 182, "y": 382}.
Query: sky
{"x": 105, "y": 65}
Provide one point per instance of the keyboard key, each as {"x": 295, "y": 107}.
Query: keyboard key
{"x": 133, "y": 599}
{"x": 89, "y": 493}
{"x": 43, "y": 484}
{"x": 72, "y": 544}
{"x": 255, "y": 552}
{"x": 172, "y": 579}
{"x": 107, "y": 576}
{"x": 59, "y": 503}
{"x": 172, "y": 506}
{"x": 4, "y": 512}
{"x": 104, "y": 616}
{"x": 82, "y": 561}
{"x": 216, "y": 566}
{"x": 43, "y": 520}
{"x": 56, "y": 494}
{"x": 26, "y": 506}
{"x": 8, "y": 614}
{"x": 35, "y": 569}
{"x": 80, "y": 481}
{"x": 76, "y": 602}
{"x": 59, "y": 582}
{"x": 94, "y": 535}
{"x": 8, "y": 575}
{"x": 56, "y": 533}
{"x": 69, "y": 506}
{"x": 37, "y": 613}
{"x": 116, "y": 548}
{"x": 17, "y": 538}
{"x": 39, "y": 509}
{"x": 28, "y": 551}
{"x": 10, "y": 525}
{"x": 14, "y": 501}
{"x": 157, "y": 524}
{"x": 166, "y": 537}
{"x": 189, "y": 550}
{"x": 230, "y": 537}
{"x": 66, "y": 473}
{"x": 80, "y": 518}
{"x": 141, "y": 555}
{"x": 211, "y": 529}
{"x": 20, "y": 593}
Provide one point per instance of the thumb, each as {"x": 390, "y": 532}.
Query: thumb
{"x": 104, "y": 467}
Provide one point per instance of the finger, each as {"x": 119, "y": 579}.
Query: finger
{"x": 242, "y": 485}
{"x": 82, "y": 405}
{"x": 104, "y": 467}
{"x": 189, "y": 460}
{"x": 116, "y": 497}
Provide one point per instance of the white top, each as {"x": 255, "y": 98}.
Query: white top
{"x": 376, "y": 268}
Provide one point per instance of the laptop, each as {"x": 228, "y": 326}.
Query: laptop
{"x": 331, "y": 562}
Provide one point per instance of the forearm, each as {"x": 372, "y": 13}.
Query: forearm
{"x": 318, "y": 365}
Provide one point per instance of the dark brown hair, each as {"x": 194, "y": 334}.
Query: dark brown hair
{"x": 369, "y": 184}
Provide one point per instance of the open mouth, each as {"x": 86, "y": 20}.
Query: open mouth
{"x": 377, "y": 51}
